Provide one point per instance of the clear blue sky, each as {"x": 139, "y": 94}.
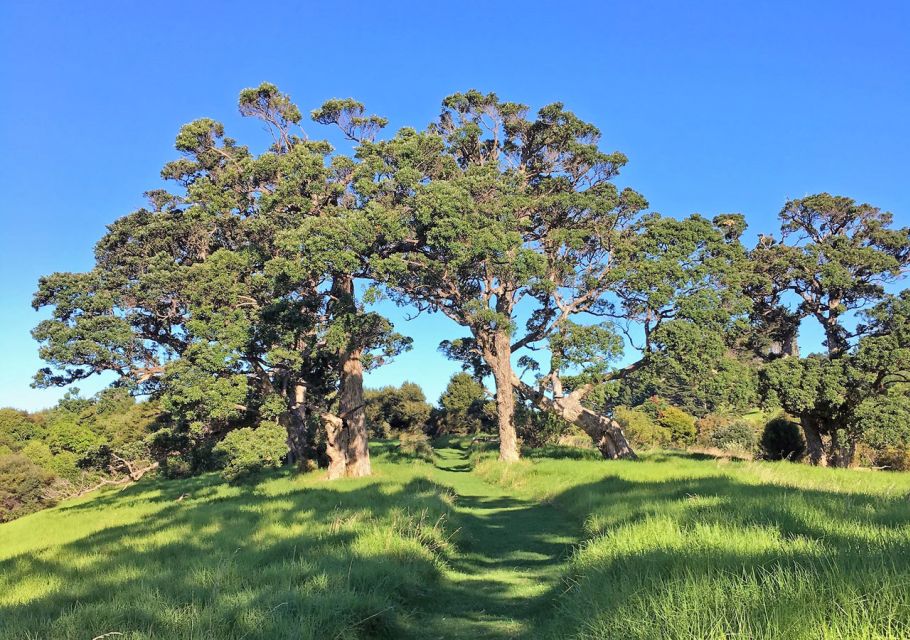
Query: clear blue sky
{"x": 721, "y": 106}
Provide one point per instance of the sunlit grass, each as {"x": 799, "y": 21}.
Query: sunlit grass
{"x": 679, "y": 547}
{"x": 560, "y": 545}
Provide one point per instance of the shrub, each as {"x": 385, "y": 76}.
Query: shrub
{"x": 23, "y": 487}
{"x": 892, "y": 458}
{"x": 736, "y": 436}
{"x": 391, "y": 409}
{"x": 782, "y": 439}
{"x": 680, "y": 424}
{"x": 416, "y": 444}
{"x": 640, "y": 429}
{"x": 247, "y": 451}
{"x": 537, "y": 428}
{"x": 707, "y": 425}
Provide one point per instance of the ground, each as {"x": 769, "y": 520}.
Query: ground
{"x": 562, "y": 545}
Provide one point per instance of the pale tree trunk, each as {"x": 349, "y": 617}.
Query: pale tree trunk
{"x": 336, "y": 446}
{"x": 603, "y": 430}
{"x": 815, "y": 447}
{"x": 296, "y": 426}
{"x": 500, "y": 361}
{"x": 351, "y": 408}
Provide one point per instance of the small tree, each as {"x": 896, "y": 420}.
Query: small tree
{"x": 397, "y": 409}
{"x": 465, "y": 407}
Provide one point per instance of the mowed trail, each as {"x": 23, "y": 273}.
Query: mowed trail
{"x": 509, "y": 563}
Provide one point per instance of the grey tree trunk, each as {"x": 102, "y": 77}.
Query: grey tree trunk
{"x": 603, "y": 430}
{"x": 296, "y": 426}
{"x": 815, "y": 447}
{"x": 501, "y": 363}
{"x": 336, "y": 445}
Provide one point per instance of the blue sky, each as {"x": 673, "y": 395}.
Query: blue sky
{"x": 721, "y": 106}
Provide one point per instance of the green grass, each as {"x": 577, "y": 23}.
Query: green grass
{"x": 561, "y": 545}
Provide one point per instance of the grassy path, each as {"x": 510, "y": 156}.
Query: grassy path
{"x": 510, "y": 559}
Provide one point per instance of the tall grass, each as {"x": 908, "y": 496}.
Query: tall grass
{"x": 681, "y": 548}
{"x": 288, "y": 557}
{"x": 674, "y": 546}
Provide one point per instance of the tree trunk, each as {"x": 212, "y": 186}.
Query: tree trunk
{"x": 841, "y": 453}
{"x": 354, "y": 439}
{"x": 606, "y": 433}
{"x": 815, "y": 448}
{"x": 351, "y": 408}
{"x": 336, "y": 446}
{"x": 296, "y": 426}
{"x": 501, "y": 364}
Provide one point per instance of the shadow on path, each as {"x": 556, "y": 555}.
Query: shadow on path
{"x": 510, "y": 559}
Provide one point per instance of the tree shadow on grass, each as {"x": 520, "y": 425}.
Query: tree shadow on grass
{"x": 315, "y": 562}
{"x": 718, "y": 557}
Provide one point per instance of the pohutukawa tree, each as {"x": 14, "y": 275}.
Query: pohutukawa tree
{"x": 515, "y": 230}
{"x": 217, "y": 299}
{"x": 833, "y": 261}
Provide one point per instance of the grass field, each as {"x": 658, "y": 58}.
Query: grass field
{"x": 559, "y": 546}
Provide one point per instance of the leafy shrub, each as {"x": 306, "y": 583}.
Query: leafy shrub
{"x": 70, "y": 435}
{"x": 537, "y": 428}
{"x": 38, "y": 453}
{"x": 392, "y": 409}
{"x": 736, "y": 436}
{"x": 640, "y": 429}
{"x": 247, "y": 451}
{"x": 23, "y": 487}
{"x": 782, "y": 439}
{"x": 680, "y": 424}
{"x": 707, "y": 425}
{"x": 416, "y": 444}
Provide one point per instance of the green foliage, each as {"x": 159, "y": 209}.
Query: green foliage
{"x": 248, "y": 451}
{"x": 640, "y": 428}
{"x": 18, "y": 427}
{"x": 416, "y": 444}
{"x": 679, "y": 425}
{"x": 737, "y": 436}
{"x": 782, "y": 439}
{"x": 537, "y": 428}
{"x": 23, "y": 487}
{"x": 396, "y": 409}
{"x": 465, "y": 407}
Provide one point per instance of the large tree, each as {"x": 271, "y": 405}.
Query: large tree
{"x": 221, "y": 299}
{"x": 832, "y": 264}
{"x": 517, "y": 231}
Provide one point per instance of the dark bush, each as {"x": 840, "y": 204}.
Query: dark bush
{"x": 23, "y": 487}
{"x": 782, "y": 439}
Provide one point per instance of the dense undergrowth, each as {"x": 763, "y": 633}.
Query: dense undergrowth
{"x": 672, "y": 546}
